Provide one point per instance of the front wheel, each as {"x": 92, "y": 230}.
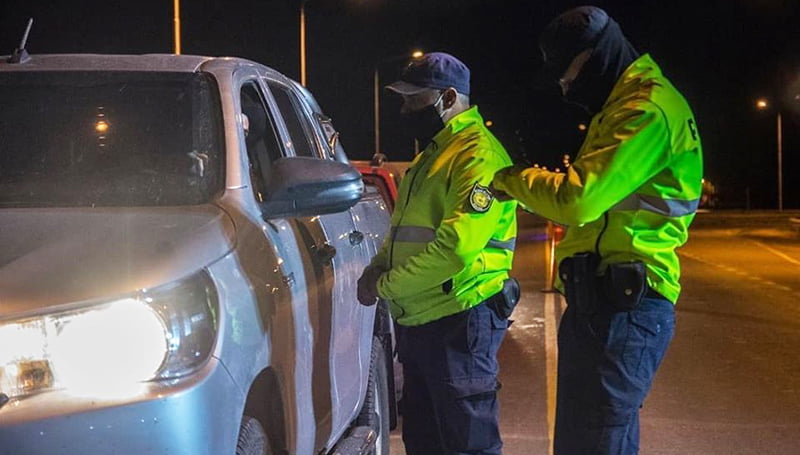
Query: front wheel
{"x": 375, "y": 412}
{"x": 252, "y": 438}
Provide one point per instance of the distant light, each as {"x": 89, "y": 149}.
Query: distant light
{"x": 762, "y": 103}
{"x": 582, "y": 126}
{"x": 101, "y": 126}
{"x": 489, "y": 123}
{"x": 417, "y": 54}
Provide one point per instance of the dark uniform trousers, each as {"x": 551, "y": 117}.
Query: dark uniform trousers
{"x": 449, "y": 403}
{"x": 606, "y": 364}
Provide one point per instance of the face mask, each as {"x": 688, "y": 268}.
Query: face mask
{"x": 578, "y": 95}
{"x": 425, "y": 123}
{"x": 588, "y": 90}
{"x": 576, "y": 82}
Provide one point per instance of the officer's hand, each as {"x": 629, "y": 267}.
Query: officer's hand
{"x": 501, "y": 196}
{"x": 368, "y": 285}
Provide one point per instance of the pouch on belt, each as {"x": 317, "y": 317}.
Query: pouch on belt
{"x": 624, "y": 285}
{"x": 503, "y": 303}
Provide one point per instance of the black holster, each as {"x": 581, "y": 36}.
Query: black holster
{"x": 579, "y": 275}
{"x": 503, "y": 302}
{"x": 620, "y": 288}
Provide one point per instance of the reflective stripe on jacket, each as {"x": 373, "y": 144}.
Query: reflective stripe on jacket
{"x": 635, "y": 184}
{"x": 451, "y": 243}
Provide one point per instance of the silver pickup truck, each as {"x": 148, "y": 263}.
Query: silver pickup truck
{"x": 180, "y": 239}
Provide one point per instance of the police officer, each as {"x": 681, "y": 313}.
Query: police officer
{"x": 444, "y": 266}
{"x": 627, "y": 202}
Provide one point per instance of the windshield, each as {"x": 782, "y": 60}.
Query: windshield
{"x": 109, "y": 139}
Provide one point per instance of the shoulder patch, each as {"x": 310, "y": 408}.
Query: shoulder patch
{"x": 480, "y": 198}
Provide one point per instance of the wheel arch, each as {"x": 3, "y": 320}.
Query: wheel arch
{"x": 265, "y": 403}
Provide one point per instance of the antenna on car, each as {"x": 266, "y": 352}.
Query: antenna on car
{"x": 20, "y": 55}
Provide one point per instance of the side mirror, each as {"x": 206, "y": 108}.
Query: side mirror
{"x": 303, "y": 186}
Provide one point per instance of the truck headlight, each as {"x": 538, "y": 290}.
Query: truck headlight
{"x": 158, "y": 334}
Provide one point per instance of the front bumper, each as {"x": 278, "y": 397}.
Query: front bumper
{"x": 196, "y": 415}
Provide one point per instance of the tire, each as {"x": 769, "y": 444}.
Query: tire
{"x": 252, "y": 438}
{"x": 375, "y": 412}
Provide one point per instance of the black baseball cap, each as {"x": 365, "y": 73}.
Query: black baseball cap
{"x": 434, "y": 70}
{"x": 568, "y": 35}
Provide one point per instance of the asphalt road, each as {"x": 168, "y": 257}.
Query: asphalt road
{"x": 730, "y": 383}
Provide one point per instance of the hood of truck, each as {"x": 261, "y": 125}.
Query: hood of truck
{"x": 57, "y": 256}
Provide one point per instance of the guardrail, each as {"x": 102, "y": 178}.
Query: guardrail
{"x": 795, "y": 223}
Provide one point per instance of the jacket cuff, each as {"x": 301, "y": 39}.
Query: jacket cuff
{"x": 382, "y": 285}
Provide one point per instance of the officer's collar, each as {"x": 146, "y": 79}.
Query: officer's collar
{"x": 642, "y": 68}
{"x": 453, "y": 126}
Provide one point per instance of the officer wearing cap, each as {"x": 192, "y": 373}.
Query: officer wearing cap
{"x": 627, "y": 202}
{"x": 444, "y": 266}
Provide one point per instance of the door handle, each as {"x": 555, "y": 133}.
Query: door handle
{"x": 324, "y": 253}
{"x": 288, "y": 280}
{"x": 356, "y": 238}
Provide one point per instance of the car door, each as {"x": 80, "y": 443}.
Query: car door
{"x": 340, "y": 363}
{"x": 275, "y": 258}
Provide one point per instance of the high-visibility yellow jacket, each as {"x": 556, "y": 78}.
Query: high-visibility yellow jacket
{"x": 636, "y": 182}
{"x": 451, "y": 243}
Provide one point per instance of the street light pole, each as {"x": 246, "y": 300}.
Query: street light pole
{"x": 780, "y": 163}
{"x": 302, "y": 42}
{"x": 377, "y": 106}
{"x": 176, "y": 19}
{"x": 763, "y": 104}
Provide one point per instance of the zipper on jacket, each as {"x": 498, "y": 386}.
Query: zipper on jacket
{"x": 600, "y": 235}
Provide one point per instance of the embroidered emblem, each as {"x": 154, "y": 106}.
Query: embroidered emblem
{"x": 480, "y": 199}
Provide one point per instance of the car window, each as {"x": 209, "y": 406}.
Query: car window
{"x": 261, "y": 139}
{"x": 109, "y": 138}
{"x": 299, "y": 129}
{"x": 331, "y": 141}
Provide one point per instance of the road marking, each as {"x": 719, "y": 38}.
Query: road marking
{"x": 697, "y": 258}
{"x": 551, "y": 360}
{"x": 749, "y": 276}
{"x": 716, "y": 424}
{"x": 776, "y": 252}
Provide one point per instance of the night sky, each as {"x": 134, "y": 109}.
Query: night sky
{"x": 722, "y": 55}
